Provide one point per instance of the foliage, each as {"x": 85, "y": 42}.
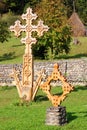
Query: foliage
{"x": 81, "y": 8}
{"x": 3, "y": 7}
{"x": 58, "y": 38}
{"x": 18, "y": 6}
{"x": 39, "y": 51}
{"x": 69, "y": 6}
{"x": 10, "y": 18}
{"x": 32, "y": 117}
{"x": 4, "y": 33}
{"x": 31, "y": 3}
{"x": 52, "y": 44}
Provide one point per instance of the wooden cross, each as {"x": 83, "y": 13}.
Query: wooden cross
{"x": 27, "y": 71}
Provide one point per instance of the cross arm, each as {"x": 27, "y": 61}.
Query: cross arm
{"x": 17, "y": 28}
{"x": 41, "y": 28}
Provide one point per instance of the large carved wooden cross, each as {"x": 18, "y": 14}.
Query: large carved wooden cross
{"x": 25, "y": 88}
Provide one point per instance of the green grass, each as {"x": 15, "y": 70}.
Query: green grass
{"x": 32, "y": 117}
{"x": 77, "y": 51}
{"x": 12, "y": 51}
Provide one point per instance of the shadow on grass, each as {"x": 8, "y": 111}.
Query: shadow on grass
{"x": 85, "y": 113}
{"x": 7, "y": 56}
{"x": 3, "y": 88}
{"x": 71, "y": 57}
{"x": 40, "y": 98}
{"x": 71, "y": 116}
{"x": 80, "y": 88}
{"x": 18, "y": 45}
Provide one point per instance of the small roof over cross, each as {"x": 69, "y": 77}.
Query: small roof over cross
{"x": 29, "y": 28}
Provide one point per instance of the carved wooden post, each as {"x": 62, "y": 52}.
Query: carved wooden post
{"x": 27, "y": 71}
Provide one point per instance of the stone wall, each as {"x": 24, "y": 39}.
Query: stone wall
{"x": 74, "y": 70}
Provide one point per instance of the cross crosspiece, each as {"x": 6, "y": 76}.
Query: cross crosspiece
{"x": 29, "y": 28}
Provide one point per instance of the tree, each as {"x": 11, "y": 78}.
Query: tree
{"x": 69, "y": 6}
{"x": 80, "y": 8}
{"x": 3, "y": 7}
{"x": 4, "y": 33}
{"x": 57, "y": 39}
{"x": 18, "y": 6}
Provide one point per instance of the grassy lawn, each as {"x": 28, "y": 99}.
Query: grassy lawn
{"x": 77, "y": 51}
{"x": 12, "y": 51}
{"x": 32, "y": 117}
